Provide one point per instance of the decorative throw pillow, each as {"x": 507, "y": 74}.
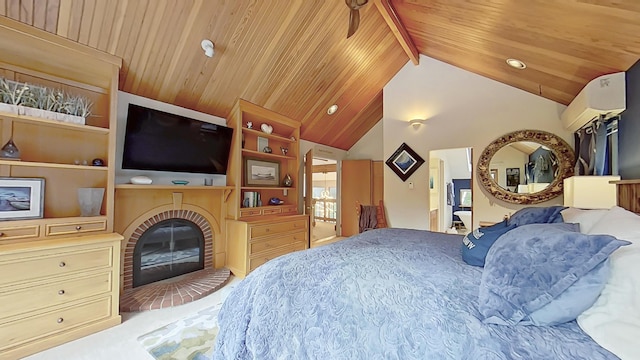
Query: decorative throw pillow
{"x": 476, "y": 243}
{"x": 585, "y": 217}
{"x": 614, "y": 320}
{"x": 531, "y": 265}
{"x": 537, "y": 215}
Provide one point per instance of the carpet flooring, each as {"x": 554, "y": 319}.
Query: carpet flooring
{"x": 190, "y": 338}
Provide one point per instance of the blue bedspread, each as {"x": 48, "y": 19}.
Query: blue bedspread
{"x": 384, "y": 294}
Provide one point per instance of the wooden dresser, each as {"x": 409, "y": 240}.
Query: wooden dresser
{"x": 54, "y": 291}
{"x": 257, "y": 241}
{"x": 60, "y": 270}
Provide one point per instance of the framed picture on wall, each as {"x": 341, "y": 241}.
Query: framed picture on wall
{"x": 404, "y": 161}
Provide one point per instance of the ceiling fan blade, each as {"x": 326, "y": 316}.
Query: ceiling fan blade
{"x": 354, "y": 22}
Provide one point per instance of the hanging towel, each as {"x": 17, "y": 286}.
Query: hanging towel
{"x": 368, "y": 217}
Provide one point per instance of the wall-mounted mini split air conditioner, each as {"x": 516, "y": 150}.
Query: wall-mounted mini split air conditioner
{"x": 604, "y": 95}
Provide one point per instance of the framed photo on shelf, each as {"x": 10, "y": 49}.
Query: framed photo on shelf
{"x": 262, "y": 143}
{"x": 261, "y": 173}
{"x": 405, "y": 162}
{"x": 21, "y": 198}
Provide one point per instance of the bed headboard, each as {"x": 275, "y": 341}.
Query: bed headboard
{"x": 629, "y": 194}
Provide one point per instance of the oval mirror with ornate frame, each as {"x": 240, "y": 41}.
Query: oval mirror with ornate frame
{"x": 559, "y": 163}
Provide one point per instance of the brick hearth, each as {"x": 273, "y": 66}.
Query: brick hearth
{"x": 175, "y": 291}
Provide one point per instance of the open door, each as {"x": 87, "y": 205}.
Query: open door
{"x": 308, "y": 189}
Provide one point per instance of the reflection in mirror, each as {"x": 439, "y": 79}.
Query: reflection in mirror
{"x": 525, "y": 167}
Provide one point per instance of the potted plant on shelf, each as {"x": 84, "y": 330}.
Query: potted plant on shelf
{"x": 42, "y": 102}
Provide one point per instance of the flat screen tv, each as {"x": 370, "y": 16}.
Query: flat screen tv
{"x": 156, "y": 140}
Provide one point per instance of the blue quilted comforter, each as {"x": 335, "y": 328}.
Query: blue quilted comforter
{"x": 384, "y": 294}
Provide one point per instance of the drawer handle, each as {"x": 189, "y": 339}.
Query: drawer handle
{"x": 1, "y": 234}
{"x": 60, "y": 320}
{"x": 78, "y": 227}
{"x": 60, "y": 292}
{"x": 62, "y": 264}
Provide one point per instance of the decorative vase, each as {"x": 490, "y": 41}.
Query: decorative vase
{"x": 90, "y": 200}
{"x": 287, "y": 181}
{"x": 10, "y": 151}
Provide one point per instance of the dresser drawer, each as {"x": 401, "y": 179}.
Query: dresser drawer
{"x": 44, "y": 264}
{"x": 41, "y": 296}
{"x": 76, "y": 227}
{"x": 250, "y": 212}
{"x": 261, "y": 259}
{"x": 289, "y": 210}
{"x": 19, "y": 232}
{"x": 31, "y": 328}
{"x": 275, "y": 228}
{"x": 276, "y": 242}
{"x": 271, "y": 211}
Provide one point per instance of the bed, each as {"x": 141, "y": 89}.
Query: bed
{"x": 382, "y": 294}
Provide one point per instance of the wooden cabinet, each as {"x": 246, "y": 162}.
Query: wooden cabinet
{"x": 256, "y": 241}
{"x": 246, "y": 219}
{"x": 60, "y": 271}
{"x": 54, "y": 291}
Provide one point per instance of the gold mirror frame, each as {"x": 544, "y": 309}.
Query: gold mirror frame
{"x": 559, "y": 147}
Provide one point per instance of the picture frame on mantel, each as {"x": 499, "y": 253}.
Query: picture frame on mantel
{"x": 261, "y": 173}
{"x": 21, "y": 198}
{"x": 404, "y": 162}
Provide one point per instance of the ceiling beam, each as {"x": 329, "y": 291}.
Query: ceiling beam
{"x": 389, "y": 14}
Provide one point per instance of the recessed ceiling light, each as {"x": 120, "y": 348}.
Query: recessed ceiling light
{"x": 515, "y": 63}
{"x": 332, "y": 109}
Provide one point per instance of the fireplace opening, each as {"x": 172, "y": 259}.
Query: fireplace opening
{"x": 167, "y": 249}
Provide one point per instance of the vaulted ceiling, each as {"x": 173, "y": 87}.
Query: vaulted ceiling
{"x": 293, "y": 57}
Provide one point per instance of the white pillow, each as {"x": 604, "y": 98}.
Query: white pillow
{"x": 614, "y": 320}
{"x": 586, "y": 218}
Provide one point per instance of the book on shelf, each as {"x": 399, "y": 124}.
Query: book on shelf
{"x": 251, "y": 199}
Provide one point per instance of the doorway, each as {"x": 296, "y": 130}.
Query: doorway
{"x": 321, "y": 198}
{"x": 451, "y": 190}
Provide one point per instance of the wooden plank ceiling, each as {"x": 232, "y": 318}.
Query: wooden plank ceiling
{"x": 565, "y": 43}
{"x": 292, "y": 56}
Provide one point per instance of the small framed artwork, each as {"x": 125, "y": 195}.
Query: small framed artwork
{"x": 21, "y": 198}
{"x": 404, "y": 162}
{"x": 513, "y": 176}
{"x": 261, "y": 173}
{"x": 262, "y": 143}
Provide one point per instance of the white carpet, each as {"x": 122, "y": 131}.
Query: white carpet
{"x": 119, "y": 342}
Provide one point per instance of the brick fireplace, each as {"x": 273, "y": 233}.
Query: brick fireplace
{"x": 189, "y": 215}
{"x": 139, "y": 210}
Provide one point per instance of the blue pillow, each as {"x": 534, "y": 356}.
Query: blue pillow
{"x": 476, "y": 243}
{"x": 537, "y": 215}
{"x": 531, "y": 265}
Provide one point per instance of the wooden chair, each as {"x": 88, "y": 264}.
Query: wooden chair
{"x": 380, "y": 215}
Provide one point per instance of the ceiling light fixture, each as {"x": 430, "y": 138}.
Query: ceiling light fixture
{"x": 332, "y": 109}
{"x": 207, "y": 46}
{"x": 516, "y": 64}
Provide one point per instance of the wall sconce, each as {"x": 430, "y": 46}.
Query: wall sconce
{"x": 207, "y": 46}
{"x": 416, "y": 123}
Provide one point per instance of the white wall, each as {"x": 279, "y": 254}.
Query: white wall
{"x": 158, "y": 177}
{"x": 369, "y": 146}
{"x": 462, "y": 110}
